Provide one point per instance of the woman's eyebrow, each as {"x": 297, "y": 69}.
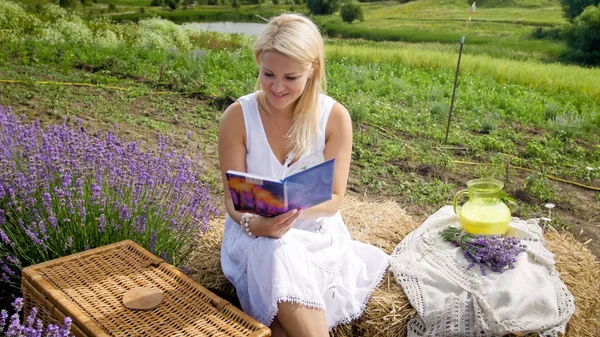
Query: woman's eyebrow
{"x": 288, "y": 74}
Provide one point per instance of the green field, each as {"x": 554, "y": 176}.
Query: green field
{"x": 515, "y": 106}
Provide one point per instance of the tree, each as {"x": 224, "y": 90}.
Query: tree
{"x": 583, "y": 36}
{"x": 67, "y": 3}
{"x": 236, "y": 4}
{"x": 322, "y": 7}
{"x": 350, "y": 12}
{"x": 572, "y": 8}
{"x": 173, "y": 4}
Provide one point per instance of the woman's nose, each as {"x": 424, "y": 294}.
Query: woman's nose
{"x": 277, "y": 85}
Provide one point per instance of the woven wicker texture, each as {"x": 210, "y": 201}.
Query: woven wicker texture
{"x": 89, "y": 288}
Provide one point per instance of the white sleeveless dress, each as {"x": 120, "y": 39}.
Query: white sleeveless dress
{"x": 315, "y": 263}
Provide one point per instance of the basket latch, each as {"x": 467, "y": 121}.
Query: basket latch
{"x": 152, "y": 262}
{"x": 222, "y": 304}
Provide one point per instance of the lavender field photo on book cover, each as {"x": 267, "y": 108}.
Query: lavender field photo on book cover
{"x": 265, "y": 200}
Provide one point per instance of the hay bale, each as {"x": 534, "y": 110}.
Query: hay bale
{"x": 382, "y": 224}
{"x": 580, "y": 272}
{"x": 205, "y": 260}
{"x": 385, "y": 224}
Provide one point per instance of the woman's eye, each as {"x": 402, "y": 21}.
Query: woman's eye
{"x": 291, "y": 78}
{"x": 269, "y": 75}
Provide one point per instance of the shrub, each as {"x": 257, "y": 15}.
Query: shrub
{"x": 351, "y": 12}
{"x": 67, "y": 3}
{"x": 551, "y": 110}
{"x": 64, "y": 190}
{"x": 536, "y": 185}
{"x": 439, "y": 111}
{"x": 32, "y": 326}
{"x": 583, "y": 36}
{"x": 162, "y": 34}
{"x": 568, "y": 124}
{"x": 489, "y": 122}
{"x": 322, "y": 7}
{"x": 572, "y": 8}
{"x": 173, "y": 4}
{"x": 14, "y": 21}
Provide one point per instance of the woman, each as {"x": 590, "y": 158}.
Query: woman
{"x": 299, "y": 272}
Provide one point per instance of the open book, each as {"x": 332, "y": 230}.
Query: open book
{"x": 267, "y": 197}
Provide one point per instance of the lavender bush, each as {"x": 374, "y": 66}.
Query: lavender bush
{"x": 495, "y": 251}
{"x": 64, "y": 190}
{"x": 32, "y": 326}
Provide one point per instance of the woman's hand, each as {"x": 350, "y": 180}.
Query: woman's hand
{"x": 274, "y": 227}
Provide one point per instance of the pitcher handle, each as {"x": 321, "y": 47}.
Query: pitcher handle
{"x": 456, "y": 196}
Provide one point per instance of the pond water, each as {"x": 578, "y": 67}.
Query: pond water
{"x": 231, "y": 27}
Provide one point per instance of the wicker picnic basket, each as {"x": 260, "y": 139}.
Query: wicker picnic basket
{"x": 89, "y": 288}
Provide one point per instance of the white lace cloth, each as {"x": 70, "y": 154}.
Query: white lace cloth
{"x": 452, "y": 300}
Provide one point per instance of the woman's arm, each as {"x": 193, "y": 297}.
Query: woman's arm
{"x": 338, "y": 145}
{"x": 232, "y": 156}
{"x": 232, "y": 150}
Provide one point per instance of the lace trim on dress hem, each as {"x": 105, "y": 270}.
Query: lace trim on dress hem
{"x": 293, "y": 299}
{"x": 317, "y": 305}
{"x": 363, "y": 306}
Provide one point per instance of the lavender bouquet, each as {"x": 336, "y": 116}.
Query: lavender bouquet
{"x": 64, "y": 190}
{"x": 495, "y": 251}
{"x": 32, "y": 327}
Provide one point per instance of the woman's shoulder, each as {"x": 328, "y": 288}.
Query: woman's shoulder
{"x": 251, "y": 97}
{"x": 233, "y": 116}
{"x": 235, "y": 111}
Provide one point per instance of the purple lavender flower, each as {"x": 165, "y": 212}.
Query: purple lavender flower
{"x": 52, "y": 331}
{"x": 13, "y": 260}
{"x": 31, "y": 317}
{"x": 66, "y": 328}
{"x": 495, "y": 251}
{"x": 18, "y": 304}
{"x": 4, "y": 237}
{"x": 101, "y": 223}
{"x": 140, "y": 223}
{"x": 6, "y": 269}
{"x": 15, "y": 329}
{"x": 3, "y": 317}
{"x": 152, "y": 242}
{"x": 124, "y": 214}
{"x": 74, "y": 189}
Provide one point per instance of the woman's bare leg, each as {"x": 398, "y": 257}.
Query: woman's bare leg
{"x": 300, "y": 321}
{"x": 276, "y": 329}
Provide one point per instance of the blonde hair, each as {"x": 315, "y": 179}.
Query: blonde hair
{"x": 298, "y": 38}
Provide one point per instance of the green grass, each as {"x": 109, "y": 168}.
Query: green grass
{"x": 397, "y": 93}
{"x": 504, "y": 31}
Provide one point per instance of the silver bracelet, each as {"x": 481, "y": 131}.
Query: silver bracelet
{"x": 245, "y": 222}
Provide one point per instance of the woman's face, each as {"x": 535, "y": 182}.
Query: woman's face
{"x": 282, "y": 79}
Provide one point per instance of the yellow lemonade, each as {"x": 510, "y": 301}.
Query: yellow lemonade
{"x": 484, "y": 218}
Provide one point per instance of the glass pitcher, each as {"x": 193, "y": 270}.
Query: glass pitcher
{"x": 484, "y": 213}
